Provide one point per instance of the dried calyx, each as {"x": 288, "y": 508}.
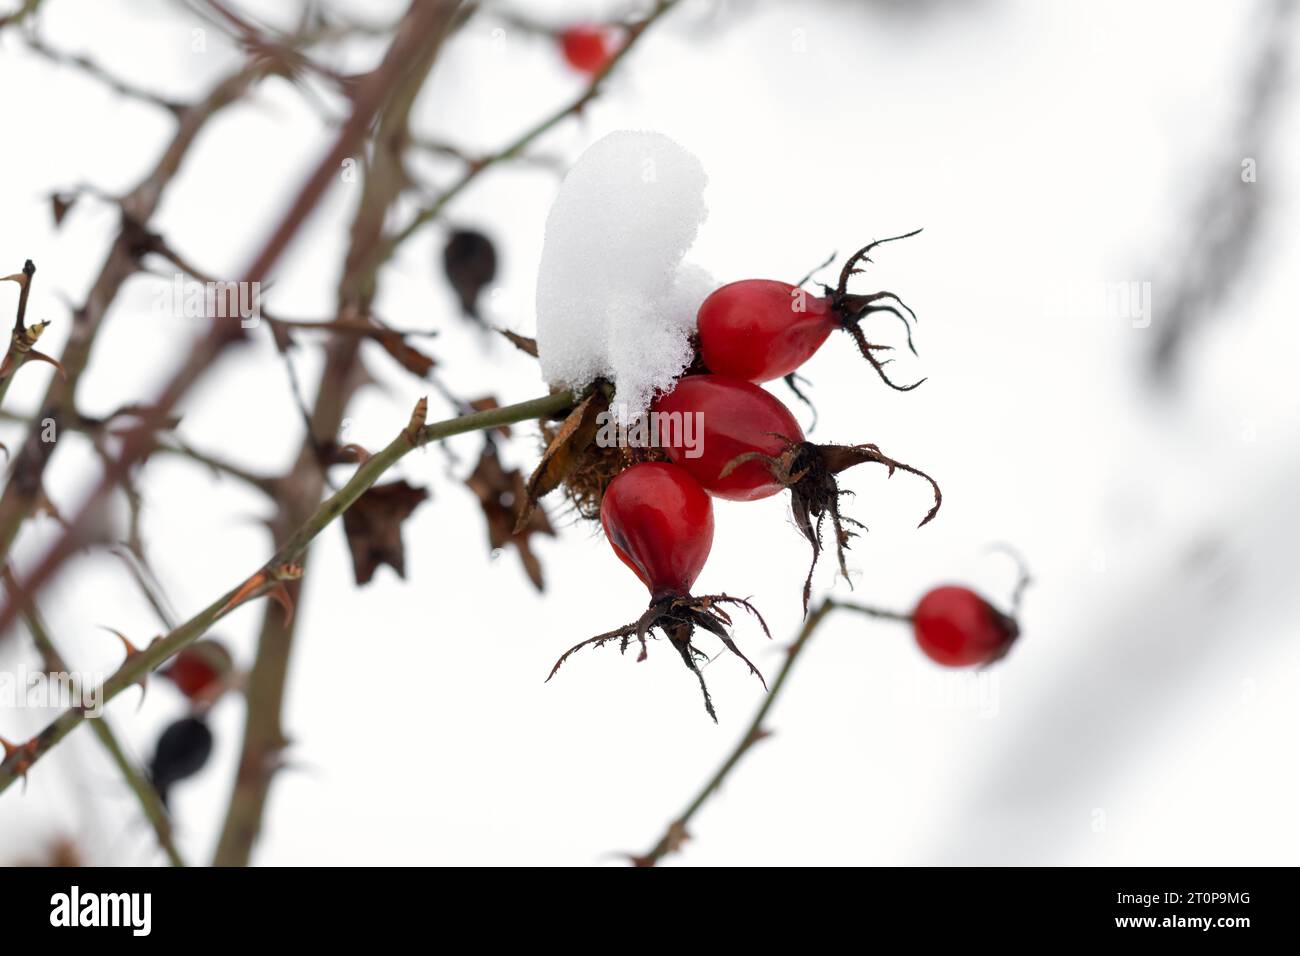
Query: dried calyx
{"x": 809, "y": 471}
{"x": 677, "y": 616}
{"x": 851, "y": 309}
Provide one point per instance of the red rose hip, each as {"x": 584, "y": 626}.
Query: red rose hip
{"x": 659, "y": 522}
{"x": 761, "y": 329}
{"x": 200, "y": 670}
{"x": 729, "y": 418}
{"x": 587, "y": 48}
{"x": 956, "y": 627}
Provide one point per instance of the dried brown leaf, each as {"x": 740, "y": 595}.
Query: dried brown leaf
{"x": 407, "y": 355}
{"x": 504, "y": 496}
{"x": 575, "y": 434}
{"x": 374, "y": 527}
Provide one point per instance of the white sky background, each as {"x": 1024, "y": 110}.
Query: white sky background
{"x": 1147, "y": 714}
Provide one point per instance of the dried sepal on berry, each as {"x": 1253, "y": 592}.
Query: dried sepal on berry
{"x": 851, "y": 309}
{"x": 677, "y": 617}
{"x": 809, "y": 471}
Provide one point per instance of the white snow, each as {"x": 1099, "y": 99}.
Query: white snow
{"x": 614, "y": 298}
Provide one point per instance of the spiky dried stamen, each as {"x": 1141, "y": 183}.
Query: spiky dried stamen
{"x": 853, "y": 309}
{"x": 809, "y": 471}
{"x": 678, "y": 617}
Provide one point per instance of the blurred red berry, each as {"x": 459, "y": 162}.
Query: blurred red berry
{"x": 200, "y": 669}
{"x": 660, "y": 523}
{"x": 587, "y": 48}
{"x": 957, "y": 628}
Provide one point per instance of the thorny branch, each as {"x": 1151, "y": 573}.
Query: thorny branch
{"x": 676, "y": 833}
{"x": 139, "y": 664}
{"x": 22, "y": 493}
{"x": 144, "y": 791}
{"x": 264, "y": 737}
{"x": 423, "y": 25}
{"x": 635, "y": 31}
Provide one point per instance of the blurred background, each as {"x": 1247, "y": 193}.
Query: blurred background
{"x": 1107, "y": 292}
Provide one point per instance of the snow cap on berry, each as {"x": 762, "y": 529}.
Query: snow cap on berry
{"x": 614, "y": 299}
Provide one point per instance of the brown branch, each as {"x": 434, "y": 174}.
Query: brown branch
{"x": 97, "y": 72}
{"x": 384, "y": 251}
{"x": 141, "y": 662}
{"x": 423, "y": 25}
{"x": 23, "y": 338}
{"x": 22, "y": 493}
{"x": 264, "y": 737}
{"x": 145, "y": 793}
{"x": 22, "y": 13}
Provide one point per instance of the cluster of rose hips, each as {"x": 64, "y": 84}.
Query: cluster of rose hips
{"x": 658, "y": 515}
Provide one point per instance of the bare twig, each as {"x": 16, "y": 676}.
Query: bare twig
{"x": 144, "y": 791}
{"x": 97, "y": 72}
{"x": 22, "y": 493}
{"x": 23, "y": 338}
{"x": 28, "y": 8}
{"x": 142, "y": 662}
{"x": 676, "y": 832}
{"x": 422, "y": 26}
{"x": 384, "y": 251}
{"x": 264, "y": 737}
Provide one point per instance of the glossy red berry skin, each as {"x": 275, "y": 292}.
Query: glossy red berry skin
{"x": 735, "y": 418}
{"x": 659, "y": 522}
{"x": 957, "y": 628}
{"x": 760, "y": 329}
{"x": 587, "y": 48}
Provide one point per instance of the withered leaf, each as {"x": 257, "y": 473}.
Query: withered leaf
{"x": 60, "y": 204}
{"x": 561, "y": 456}
{"x": 374, "y": 527}
{"x": 503, "y": 496}
{"x": 407, "y": 355}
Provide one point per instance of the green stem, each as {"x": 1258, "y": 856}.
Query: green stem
{"x": 144, "y": 791}
{"x": 140, "y": 664}
{"x": 676, "y": 831}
